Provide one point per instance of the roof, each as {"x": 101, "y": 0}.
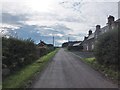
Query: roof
{"x": 71, "y": 43}
{"x": 117, "y": 21}
{"x": 77, "y": 44}
{"x": 91, "y": 36}
{"x": 104, "y": 29}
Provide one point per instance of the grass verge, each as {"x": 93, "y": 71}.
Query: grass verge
{"x": 0, "y": 86}
{"x": 108, "y": 72}
{"x": 20, "y": 78}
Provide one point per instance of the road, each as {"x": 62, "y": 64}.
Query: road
{"x": 68, "y": 71}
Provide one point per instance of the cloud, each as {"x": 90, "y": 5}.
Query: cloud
{"x": 119, "y": 9}
{"x": 38, "y": 33}
{"x": 61, "y": 41}
{"x": 13, "y": 19}
{"x": 42, "y": 19}
{"x": 69, "y": 19}
{"x": 5, "y": 29}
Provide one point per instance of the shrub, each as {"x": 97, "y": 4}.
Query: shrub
{"x": 17, "y": 53}
{"x": 106, "y": 48}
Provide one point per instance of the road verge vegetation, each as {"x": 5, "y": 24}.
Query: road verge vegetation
{"x": 18, "y": 53}
{"x": 20, "y": 78}
{"x": 107, "y": 71}
{"x": 106, "y": 53}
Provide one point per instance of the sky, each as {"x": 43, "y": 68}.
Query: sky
{"x": 43, "y": 19}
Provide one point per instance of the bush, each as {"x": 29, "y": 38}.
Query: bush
{"x": 106, "y": 49}
{"x": 17, "y": 53}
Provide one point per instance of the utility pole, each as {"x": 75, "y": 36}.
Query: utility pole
{"x": 53, "y": 41}
{"x": 68, "y": 38}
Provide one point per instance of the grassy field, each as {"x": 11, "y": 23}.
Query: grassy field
{"x": 108, "y": 72}
{"x": 20, "y": 79}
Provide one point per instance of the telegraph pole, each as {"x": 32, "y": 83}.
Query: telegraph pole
{"x": 68, "y": 39}
{"x": 53, "y": 41}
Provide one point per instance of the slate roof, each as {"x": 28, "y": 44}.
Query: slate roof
{"x": 104, "y": 29}
{"x": 77, "y": 44}
{"x": 91, "y": 36}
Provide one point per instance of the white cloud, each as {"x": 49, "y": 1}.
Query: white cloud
{"x": 9, "y": 26}
{"x": 59, "y": 35}
{"x": 61, "y": 41}
{"x": 6, "y": 28}
{"x": 76, "y": 16}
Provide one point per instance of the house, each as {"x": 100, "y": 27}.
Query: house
{"x": 65, "y": 44}
{"x": 41, "y": 48}
{"x": 89, "y": 42}
{"x": 42, "y": 44}
{"x": 111, "y": 25}
{"x": 75, "y": 45}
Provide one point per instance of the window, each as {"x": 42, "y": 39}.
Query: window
{"x": 87, "y": 47}
{"x": 112, "y": 27}
{"x": 92, "y": 46}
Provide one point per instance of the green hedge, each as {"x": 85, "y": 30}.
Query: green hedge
{"x": 106, "y": 49}
{"x": 23, "y": 77}
{"x": 17, "y": 53}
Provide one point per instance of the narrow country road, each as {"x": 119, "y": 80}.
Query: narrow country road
{"x": 67, "y": 71}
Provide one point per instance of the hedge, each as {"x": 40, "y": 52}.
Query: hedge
{"x": 16, "y": 53}
{"x": 106, "y": 49}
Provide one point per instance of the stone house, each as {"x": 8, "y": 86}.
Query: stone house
{"x": 111, "y": 25}
{"x": 89, "y": 41}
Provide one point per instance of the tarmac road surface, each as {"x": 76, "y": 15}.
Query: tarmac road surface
{"x": 68, "y": 71}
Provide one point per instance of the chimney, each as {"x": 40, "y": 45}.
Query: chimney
{"x": 90, "y": 32}
{"x": 110, "y": 19}
{"x": 98, "y": 27}
{"x": 85, "y": 38}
